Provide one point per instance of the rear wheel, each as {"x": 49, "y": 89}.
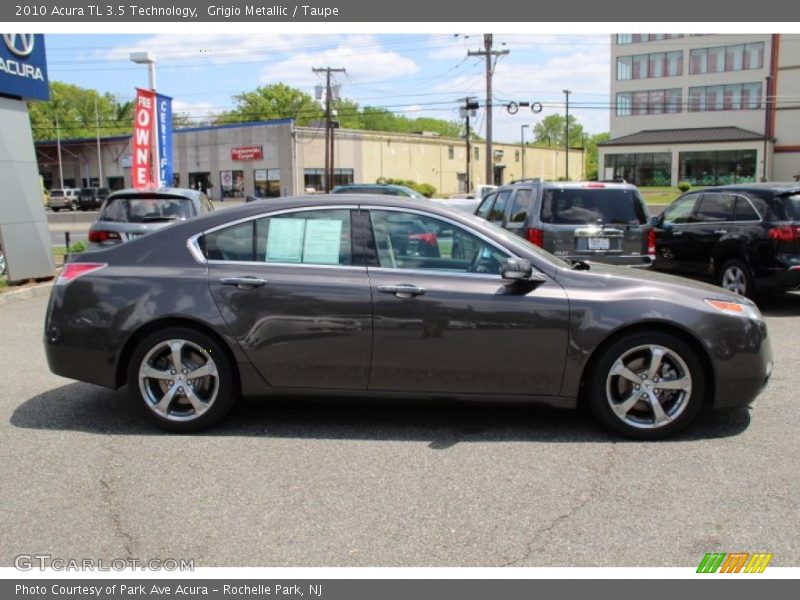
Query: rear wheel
{"x": 54, "y": 209}
{"x": 182, "y": 378}
{"x": 75, "y": 205}
{"x": 646, "y": 385}
{"x": 735, "y": 276}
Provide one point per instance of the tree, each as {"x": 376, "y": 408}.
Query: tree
{"x": 592, "y": 169}
{"x": 550, "y": 132}
{"x": 73, "y": 107}
{"x": 276, "y": 101}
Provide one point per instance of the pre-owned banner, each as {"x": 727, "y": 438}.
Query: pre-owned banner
{"x": 142, "y": 170}
{"x": 164, "y": 128}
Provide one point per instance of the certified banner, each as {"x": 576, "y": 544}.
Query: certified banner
{"x": 164, "y": 129}
{"x": 142, "y": 146}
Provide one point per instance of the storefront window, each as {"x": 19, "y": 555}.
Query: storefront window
{"x": 267, "y": 183}
{"x": 646, "y": 169}
{"x": 718, "y": 168}
{"x": 232, "y": 184}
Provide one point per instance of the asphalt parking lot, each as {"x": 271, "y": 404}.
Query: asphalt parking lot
{"x": 336, "y": 483}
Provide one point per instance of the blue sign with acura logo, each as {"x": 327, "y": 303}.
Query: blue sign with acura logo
{"x": 23, "y": 66}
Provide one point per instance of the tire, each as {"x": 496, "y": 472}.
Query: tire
{"x": 735, "y": 276}
{"x": 623, "y": 390}
{"x": 74, "y": 205}
{"x": 54, "y": 209}
{"x": 192, "y": 405}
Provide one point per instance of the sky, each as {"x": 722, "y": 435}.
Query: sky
{"x": 410, "y": 74}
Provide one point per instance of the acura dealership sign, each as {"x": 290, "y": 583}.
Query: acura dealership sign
{"x": 23, "y": 67}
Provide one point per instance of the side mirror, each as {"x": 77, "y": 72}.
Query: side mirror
{"x": 517, "y": 269}
{"x": 654, "y": 221}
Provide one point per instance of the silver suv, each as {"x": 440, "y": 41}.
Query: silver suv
{"x": 599, "y": 221}
{"x": 66, "y": 198}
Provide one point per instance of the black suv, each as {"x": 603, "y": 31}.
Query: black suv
{"x": 593, "y": 220}
{"x": 745, "y": 237}
{"x": 91, "y": 198}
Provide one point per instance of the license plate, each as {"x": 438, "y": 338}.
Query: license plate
{"x": 596, "y": 243}
{"x": 134, "y": 235}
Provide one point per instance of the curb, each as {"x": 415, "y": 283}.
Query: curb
{"x": 29, "y": 293}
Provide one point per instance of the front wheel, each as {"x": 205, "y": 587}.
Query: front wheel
{"x": 182, "y": 378}
{"x": 646, "y": 386}
{"x": 735, "y": 276}
{"x": 75, "y": 205}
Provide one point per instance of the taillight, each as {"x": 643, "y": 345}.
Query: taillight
{"x": 535, "y": 236}
{"x": 651, "y": 242}
{"x": 785, "y": 233}
{"x": 426, "y": 238}
{"x": 74, "y": 270}
{"x": 99, "y": 236}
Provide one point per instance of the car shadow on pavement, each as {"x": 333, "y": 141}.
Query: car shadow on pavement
{"x": 780, "y": 305}
{"x": 90, "y": 409}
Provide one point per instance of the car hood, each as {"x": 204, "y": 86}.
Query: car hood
{"x": 646, "y": 281}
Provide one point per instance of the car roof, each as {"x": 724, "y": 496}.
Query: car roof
{"x": 167, "y": 191}
{"x": 773, "y": 186}
{"x": 577, "y": 185}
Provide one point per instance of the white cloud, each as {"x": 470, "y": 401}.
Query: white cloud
{"x": 413, "y": 108}
{"x": 198, "y": 111}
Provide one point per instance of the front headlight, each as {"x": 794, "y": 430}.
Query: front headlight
{"x": 737, "y": 309}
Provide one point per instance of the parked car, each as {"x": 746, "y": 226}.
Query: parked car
{"x": 128, "y": 214}
{"x": 3, "y": 265}
{"x": 746, "y": 238}
{"x": 309, "y": 295}
{"x": 465, "y": 202}
{"x": 91, "y": 198}
{"x": 64, "y": 198}
{"x": 377, "y": 188}
{"x": 603, "y": 222}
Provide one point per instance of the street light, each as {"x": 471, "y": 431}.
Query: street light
{"x": 149, "y": 59}
{"x": 522, "y": 143}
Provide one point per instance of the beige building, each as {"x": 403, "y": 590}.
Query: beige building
{"x": 276, "y": 158}
{"x": 707, "y": 109}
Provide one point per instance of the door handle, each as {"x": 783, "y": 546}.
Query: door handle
{"x": 243, "y": 283}
{"x": 677, "y": 233}
{"x": 720, "y": 232}
{"x": 403, "y": 290}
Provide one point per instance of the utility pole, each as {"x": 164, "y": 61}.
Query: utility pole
{"x": 469, "y": 108}
{"x": 328, "y": 125}
{"x": 58, "y": 146}
{"x": 522, "y": 146}
{"x": 488, "y": 53}
{"x": 566, "y": 136}
{"x": 99, "y": 156}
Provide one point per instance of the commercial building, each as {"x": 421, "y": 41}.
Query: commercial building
{"x": 277, "y": 158}
{"x": 706, "y": 109}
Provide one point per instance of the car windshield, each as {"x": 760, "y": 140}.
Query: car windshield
{"x": 144, "y": 209}
{"x": 580, "y": 206}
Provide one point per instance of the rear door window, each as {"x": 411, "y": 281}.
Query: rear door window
{"x": 499, "y": 209}
{"x": 716, "y": 208}
{"x": 744, "y": 211}
{"x": 520, "y": 208}
{"x": 579, "y": 206}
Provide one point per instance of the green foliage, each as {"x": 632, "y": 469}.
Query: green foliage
{"x": 276, "y": 101}
{"x": 75, "y": 109}
{"x": 426, "y": 189}
{"x": 79, "y": 246}
{"x": 550, "y": 132}
{"x": 684, "y": 186}
{"x": 592, "y": 168}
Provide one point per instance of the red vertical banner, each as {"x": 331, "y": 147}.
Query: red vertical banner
{"x": 143, "y": 118}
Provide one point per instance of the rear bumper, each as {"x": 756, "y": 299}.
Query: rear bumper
{"x": 785, "y": 277}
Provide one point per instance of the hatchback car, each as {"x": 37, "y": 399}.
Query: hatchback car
{"x": 377, "y": 188}
{"x": 311, "y": 295}
{"x": 746, "y": 238}
{"x": 128, "y": 214}
{"x": 603, "y": 222}
{"x": 66, "y": 198}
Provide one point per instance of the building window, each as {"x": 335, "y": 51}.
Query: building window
{"x": 657, "y": 64}
{"x": 624, "y": 38}
{"x": 674, "y": 67}
{"x": 656, "y": 101}
{"x": 718, "y": 167}
{"x": 674, "y": 100}
{"x": 742, "y": 57}
{"x": 477, "y": 153}
{"x": 267, "y": 183}
{"x": 232, "y": 184}
{"x": 516, "y": 155}
{"x": 314, "y": 180}
{"x": 342, "y": 176}
{"x": 115, "y": 183}
{"x": 642, "y": 169}
{"x": 640, "y": 63}
{"x": 451, "y": 153}
{"x": 650, "y": 66}
{"x": 624, "y": 104}
{"x": 624, "y": 68}
{"x": 737, "y": 96}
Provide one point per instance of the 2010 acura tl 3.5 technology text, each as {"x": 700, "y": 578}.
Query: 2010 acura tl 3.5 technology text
{"x": 384, "y": 296}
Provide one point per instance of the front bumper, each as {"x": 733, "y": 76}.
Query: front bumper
{"x": 743, "y": 368}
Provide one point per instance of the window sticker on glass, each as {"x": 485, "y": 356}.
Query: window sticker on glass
{"x": 323, "y": 240}
{"x": 285, "y": 240}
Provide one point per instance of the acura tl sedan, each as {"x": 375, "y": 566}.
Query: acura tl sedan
{"x": 391, "y": 297}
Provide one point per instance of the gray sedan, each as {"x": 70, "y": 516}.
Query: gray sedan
{"x": 385, "y": 296}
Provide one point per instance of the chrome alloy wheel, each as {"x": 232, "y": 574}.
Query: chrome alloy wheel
{"x": 648, "y": 387}
{"x": 178, "y": 380}
{"x": 734, "y": 279}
